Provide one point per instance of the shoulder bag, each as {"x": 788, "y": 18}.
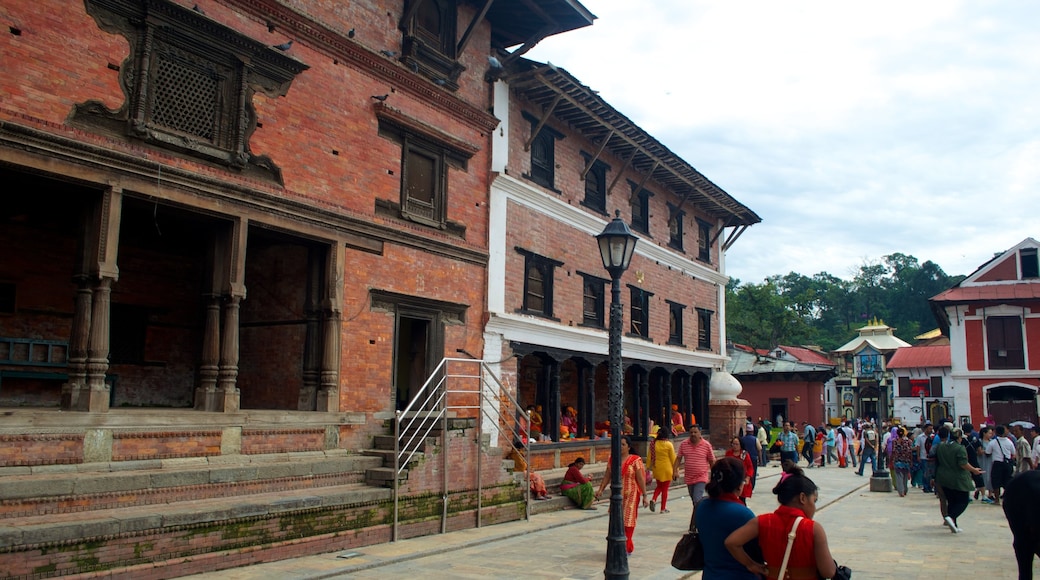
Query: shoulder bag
{"x": 689, "y": 553}
{"x": 652, "y": 464}
{"x": 842, "y": 572}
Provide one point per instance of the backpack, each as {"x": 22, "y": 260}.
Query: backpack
{"x": 929, "y": 445}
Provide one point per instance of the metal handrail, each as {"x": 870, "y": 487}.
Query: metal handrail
{"x": 431, "y": 405}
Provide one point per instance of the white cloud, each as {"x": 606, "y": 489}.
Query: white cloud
{"x": 854, "y": 130}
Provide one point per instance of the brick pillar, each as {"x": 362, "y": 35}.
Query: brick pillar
{"x": 727, "y": 420}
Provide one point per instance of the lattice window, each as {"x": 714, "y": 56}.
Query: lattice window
{"x": 187, "y": 96}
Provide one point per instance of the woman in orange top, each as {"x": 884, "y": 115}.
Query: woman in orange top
{"x": 810, "y": 555}
{"x": 633, "y": 487}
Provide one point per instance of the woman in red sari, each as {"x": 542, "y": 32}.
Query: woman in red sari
{"x": 810, "y": 555}
{"x": 633, "y": 487}
{"x": 736, "y": 450}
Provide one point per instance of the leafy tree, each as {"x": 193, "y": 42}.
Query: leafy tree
{"x": 827, "y": 311}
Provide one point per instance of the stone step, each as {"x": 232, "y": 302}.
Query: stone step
{"x": 86, "y": 487}
{"x": 383, "y": 476}
{"x": 81, "y": 527}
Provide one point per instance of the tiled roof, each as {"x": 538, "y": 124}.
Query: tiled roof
{"x": 745, "y": 363}
{"x": 808, "y": 355}
{"x": 919, "y": 357}
{"x": 880, "y": 342}
{"x": 991, "y": 292}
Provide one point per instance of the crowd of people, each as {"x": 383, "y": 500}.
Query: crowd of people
{"x": 958, "y": 465}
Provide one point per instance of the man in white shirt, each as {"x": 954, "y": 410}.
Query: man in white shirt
{"x": 1002, "y": 451}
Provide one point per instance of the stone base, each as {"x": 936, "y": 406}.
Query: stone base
{"x": 882, "y": 481}
{"x": 727, "y": 419}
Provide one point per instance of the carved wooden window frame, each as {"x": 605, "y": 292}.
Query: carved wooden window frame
{"x": 169, "y": 40}
{"x": 432, "y": 53}
{"x": 421, "y": 139}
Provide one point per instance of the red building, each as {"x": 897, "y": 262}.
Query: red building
{"x": 993, "y": 320}
{"x": 781, "y": 387}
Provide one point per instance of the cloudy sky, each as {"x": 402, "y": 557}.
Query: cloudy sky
{"x": 854, "y": 129}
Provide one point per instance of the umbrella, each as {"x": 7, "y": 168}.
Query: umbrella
{"x": 1023, "y": 424}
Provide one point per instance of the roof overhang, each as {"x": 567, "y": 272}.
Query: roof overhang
{"x": 561, "y": 95}
{"x": 525, "y": 23}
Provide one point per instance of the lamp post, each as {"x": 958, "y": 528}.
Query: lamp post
{"x": 616, "y": 245}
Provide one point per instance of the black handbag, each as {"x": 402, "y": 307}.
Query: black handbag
{"x": 843, "y": 573}
{"x": 689, "y": 553}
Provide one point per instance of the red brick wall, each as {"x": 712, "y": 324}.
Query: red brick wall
{"x": 323, "y": 135}
{"x": 577, "y": 250}
{"x": 164, "y": 445}
{"x": 256, "y": 441}
{"x": 41, "y": 449}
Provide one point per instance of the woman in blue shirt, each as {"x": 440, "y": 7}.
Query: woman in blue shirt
{"x": 718, "y": 515}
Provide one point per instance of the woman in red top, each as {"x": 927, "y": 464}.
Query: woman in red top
{"x": 810, "y": 555}
{"x": 736, "y": 450}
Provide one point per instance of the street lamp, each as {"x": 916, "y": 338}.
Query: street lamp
{"x": 616, "y": 245}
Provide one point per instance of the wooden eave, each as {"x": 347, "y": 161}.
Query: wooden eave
{"x": 554, "y": 90}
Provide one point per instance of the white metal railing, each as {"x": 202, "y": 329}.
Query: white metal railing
{"x": 449, "y": 393}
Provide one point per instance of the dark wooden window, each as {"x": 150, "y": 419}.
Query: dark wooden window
{"x": 543, "y": 159}
{"x": 596, "y": 186}
{"x": 675, "y": 323}
{"x": 430, "y": 37}
{"x": 639, "y": 312}
{"x": 593, "y": 300}
{"x": 703, "y": 241}
{"x": 427, "y": 156}
{"x": 1004, "y": 342}
{"x": 937, "y": 388}
{"x": 675, "y": 227}
{"x": 641, "y": 210}
{"x": 423, "y": 182}
{"x": 539, "y": 273}
{"x": 1030, "y": 265}
{"x": 704, "y": 328}
{"x": 543, "y": 154}
{"x": 904, "y": 387}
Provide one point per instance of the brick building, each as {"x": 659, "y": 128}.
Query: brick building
{"x": 237, "y": 228}
{"x": 564, "y": 161}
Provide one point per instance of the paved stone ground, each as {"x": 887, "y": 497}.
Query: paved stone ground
{"x": 878, "y": 535}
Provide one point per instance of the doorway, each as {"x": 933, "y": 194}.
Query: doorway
{"x": 412, "y": 358}
{"x": 778, "y": 412}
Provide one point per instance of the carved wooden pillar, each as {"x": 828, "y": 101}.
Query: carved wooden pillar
{"x": 100, "y": 253}
{"x": 590, "y": 404}
{"x": 551, "y": 416}
{"x": 644, "y": 404}
{"x": 228, "y": 395}
{"x": 209, "y": 369}
{"x": 314, "y": 333}
{"x": 97, "y": 400}
{"x": 328, "y": 394}
{"x": 328, "y": 399}
{"x": 666, "y": 388}
{"x": 78, "y": 342}
{"x": 687, "y": 395}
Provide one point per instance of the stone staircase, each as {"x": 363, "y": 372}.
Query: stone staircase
{"x": 119, "y": 517}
